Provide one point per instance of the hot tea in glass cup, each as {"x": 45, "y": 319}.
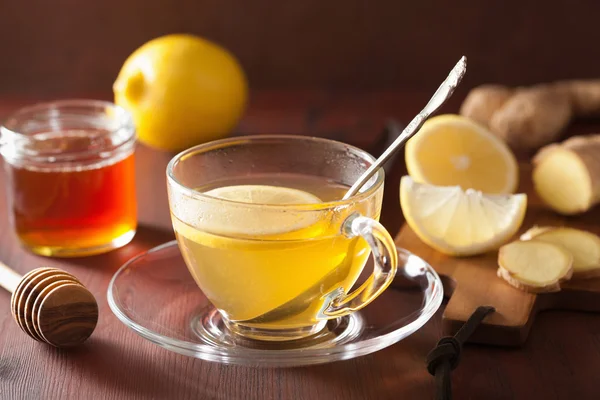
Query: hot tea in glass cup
{"x": 265, "y": 235}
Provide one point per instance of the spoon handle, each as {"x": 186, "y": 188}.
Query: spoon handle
{"x": 440, "y": 96}
{"x": 9, "y": 279}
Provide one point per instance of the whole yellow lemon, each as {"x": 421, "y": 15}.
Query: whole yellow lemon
{"x": 181, "y": 90}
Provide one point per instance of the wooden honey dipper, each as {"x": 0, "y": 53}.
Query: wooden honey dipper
{"x": 51, "y": 305}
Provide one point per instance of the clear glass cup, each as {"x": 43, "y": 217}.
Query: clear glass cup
{"x": 70, "y": 176}
{"x": 275, "y": 270}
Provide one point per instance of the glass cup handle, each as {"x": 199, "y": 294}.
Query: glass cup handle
{"x": 384, "y": 266}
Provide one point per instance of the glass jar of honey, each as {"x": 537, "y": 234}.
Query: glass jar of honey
{"x": 70, "y": 176}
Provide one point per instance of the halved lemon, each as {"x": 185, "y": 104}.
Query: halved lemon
{"x": 452, "y": 150}
{"x": 459, "y": 222}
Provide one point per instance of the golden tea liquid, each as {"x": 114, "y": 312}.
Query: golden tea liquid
{"x": 268, "y": 278}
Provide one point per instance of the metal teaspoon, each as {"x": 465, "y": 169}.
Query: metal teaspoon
{"x": 437, "y": 100}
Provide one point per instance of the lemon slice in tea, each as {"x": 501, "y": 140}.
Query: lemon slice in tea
{"x": 238, "y": 220}
{"x": 263, "y": 194}
{"x": 233, "y": 218}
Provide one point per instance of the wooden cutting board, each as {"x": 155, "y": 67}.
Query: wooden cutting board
{"x": 472, "y": 282}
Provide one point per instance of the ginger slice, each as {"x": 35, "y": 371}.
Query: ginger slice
{"x": 566, "y": 176}
{"x": 535, "y": 231}
{"x": 583, "y": 245}
{"x": 534, "y": 266}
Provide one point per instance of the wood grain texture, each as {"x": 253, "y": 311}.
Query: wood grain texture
{"x": 51, "y": 306}
{"x": 559, "y": 361}
{"x": 68, "y": 45}
{"x": 67, "y": 316}
{"x": 38, "y": 302}
{"x": 474, "y": 281}
{"x": 23, "y": 296}
{"x": 35, "y": 296}
{"x": 25, "y": 280}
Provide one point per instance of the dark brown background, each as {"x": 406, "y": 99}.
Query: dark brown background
{"x": 333, "y": 68}
{"x": 64, "y": 46}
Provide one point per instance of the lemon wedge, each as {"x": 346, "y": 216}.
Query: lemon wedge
{"x": 459, "y": 222}
{"x": 235, "y": 219}
{"x": 453, "y": 150}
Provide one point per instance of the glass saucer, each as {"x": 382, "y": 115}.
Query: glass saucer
{"x": 155, "y": 295}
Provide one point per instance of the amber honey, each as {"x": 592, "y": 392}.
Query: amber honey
{"x": 71, "y": 181}
{"x": 55, "y": 211}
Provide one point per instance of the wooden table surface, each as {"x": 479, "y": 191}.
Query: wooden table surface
{"x": 560, "y": 360}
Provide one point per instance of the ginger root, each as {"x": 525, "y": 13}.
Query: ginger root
{"x": 483, "y": 101}
{"x": 566, "y": 176}
{"x": 528, "y": 118}
{"x": 584, "y": 247}
{"x": 532, "y": 118}
{"x": 585, "y": 96}
{"x": 534, "y": 266}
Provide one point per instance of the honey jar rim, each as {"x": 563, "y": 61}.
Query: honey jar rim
{"x": 20, "y": 131}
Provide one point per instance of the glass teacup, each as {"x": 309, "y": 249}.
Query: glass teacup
{"x": 264, "y": 232}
